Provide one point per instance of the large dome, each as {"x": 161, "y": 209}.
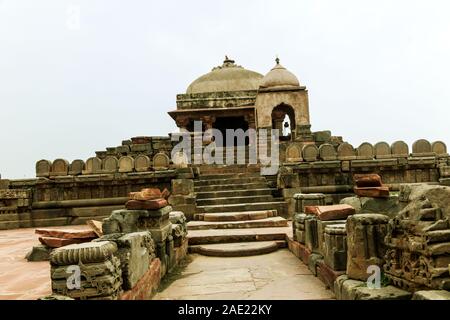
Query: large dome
{"x": 227, "y": 77}
{"x": 279, "y": 77}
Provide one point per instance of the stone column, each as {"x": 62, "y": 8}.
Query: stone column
{"x": 208, "y": 121}
{"x": 182, "y": 122}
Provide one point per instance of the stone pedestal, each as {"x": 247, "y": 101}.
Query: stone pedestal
{"x": 335, "y": 247}
{"x": 308, "y": 199}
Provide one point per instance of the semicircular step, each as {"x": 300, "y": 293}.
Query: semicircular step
{"x": 239, "y": 249}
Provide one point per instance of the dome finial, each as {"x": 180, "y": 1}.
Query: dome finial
{"x": 277, "y": 60}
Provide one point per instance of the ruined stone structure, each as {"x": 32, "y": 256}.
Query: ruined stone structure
{"x": 231, "y": 209}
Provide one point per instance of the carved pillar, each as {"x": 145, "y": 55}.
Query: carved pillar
{"x": 208, "y": 121}
{"x": 182, "y": 122}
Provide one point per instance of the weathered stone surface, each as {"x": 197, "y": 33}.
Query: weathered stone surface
{"x": 60, "y": 167}
{"x": 147, "y": 286}
{"x": 136, "y": 252}
{"x": 431, "y": 295}
{"x": 90, "y": 252}
{"x": 182, "y": 186}
{"x": 383, "y": 293}
{"x": 93, "y": 166}
{"x": 388, "y": 206}
{"x": 110, "y": 164}
{"x": 126, "y": 164}
{"x": 142, "y": 163}
{"x": 365, "y": 151}
{"x": 310, "y": 152}
{"x": 399, "y": 149}
{"x": 313, "y": 261}
{"x": 76, "y": 167}
{"x": 335, "y": 247}
{"x": 66, "y": 233}
{"x": 367, "y": 180}
{"x": 180, "y": 160}
{"x": 332, "y": 212}
{"x": 365, "y": 243}
{"x": 373, "y": 192}
{"x": 327, "y": 152}
{"x": 311, "y": 235}
{"x": 146, "y": 204}
{"x": 382, "y": 150}
{"x": 308, "y": 199}
{"x": 161, "y": 161}
{"x": 422, "y": 148}
{"x": 346, "y": 151}
{"x": 439, "y": 148}
{"x": 293, "y": 153}
{"x": 39, "y": 253}
{"x": 148, "y": 194}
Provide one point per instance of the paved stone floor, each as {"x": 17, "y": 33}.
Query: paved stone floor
{"x": 20, "y": 279}
{"x": 278, "y": 275}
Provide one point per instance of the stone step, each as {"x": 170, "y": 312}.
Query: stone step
{"x": 218, "y": 169}
{"x": 47, "y": 222}
{"x": 241, "y": 249}
{"x": 236, "y": 216}
{"x": 271, "y": 222}
{"x": 234, "y": 200}
{"x": 211, "y": 182}
{"x": 229, "y": 187}
{"x": 279, "y": 206}
{"x": 234, "y": 193}
{"x": 212, "y": 236}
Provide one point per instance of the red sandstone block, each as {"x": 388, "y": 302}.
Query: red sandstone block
{"x": 165, "y": 194}
{"x": 146, "y": 205}
{"x": 378, "y": 192}
{"x": 66, "y": 233}
{"x": 333, "y": 212}
{"x": 146, "y": 194}
{"x": 60, "y": 242}
{"x": 367, "y": 180}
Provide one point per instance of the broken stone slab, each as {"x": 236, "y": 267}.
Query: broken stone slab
{"x": 39, "y": 253}
{"x": 431, "y": 295}
{"x": 177, "y": 217}
{"x": 373, "y": 192}
{"x": 89, "y": 252}
{"x": 389, "y": 206}
{"x": 383, "y": 293}
{"x": 332, "y": 212}
{"x": 146, "y": 204}
{"x": 88, "y": 270}
{"x": 348, "y": 288}
{"x": 96, "y": 226}
{"x": 367, "y": 180}
{"x": 61, "y": 242}
{"x": 66, "y": 233}
{"x": 149, "y": 194}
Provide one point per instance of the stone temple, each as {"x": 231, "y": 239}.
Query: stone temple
{"x": 357, "y": 222}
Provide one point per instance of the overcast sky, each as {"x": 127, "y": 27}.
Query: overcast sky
{"x": 375, "y": 70}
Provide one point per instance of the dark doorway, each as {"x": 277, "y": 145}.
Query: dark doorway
{"x": 224, "y": 123}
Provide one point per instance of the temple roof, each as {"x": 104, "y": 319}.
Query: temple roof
{"x": 227, "y": 77}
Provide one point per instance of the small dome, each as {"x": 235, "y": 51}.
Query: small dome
{"x": 279, "y": 77}
{"x": 227, "y": 77}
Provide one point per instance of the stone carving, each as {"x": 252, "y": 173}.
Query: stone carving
{"x": 142, "y": 163}
{"x": 60, "y": 167}
{"x": 421, "y": 148}
{"x": 93, "y": 166}
{"x": 43, "y": 168}
{"x": 418, "y": 239}
{"x": 346, "y": 151}
{"x": 76, "y": 167}
{"x": 327, "y": 152}
{"x": 382, "y": 150}
{"x": 365, "y": 151}
{"x": 310, "y": 152}
{"x": 365, "y": 245}
{"x": 126, "y": 164}
{"x": 161, "y": 161}
{"x": 399, "y": 149}
{"x": 293, "y": 153}
{"x": 439, "y": 148}
{"x": 110, "y": 164}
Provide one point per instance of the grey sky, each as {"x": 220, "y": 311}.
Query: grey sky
{"x": 375, "y": 70}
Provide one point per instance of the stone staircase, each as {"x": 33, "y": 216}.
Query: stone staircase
{"x": 237, "y": 214}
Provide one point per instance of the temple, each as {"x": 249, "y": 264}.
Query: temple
{"x": 344, "y": 211}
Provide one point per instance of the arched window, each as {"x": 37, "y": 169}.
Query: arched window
{"x": 283, "y": 119}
